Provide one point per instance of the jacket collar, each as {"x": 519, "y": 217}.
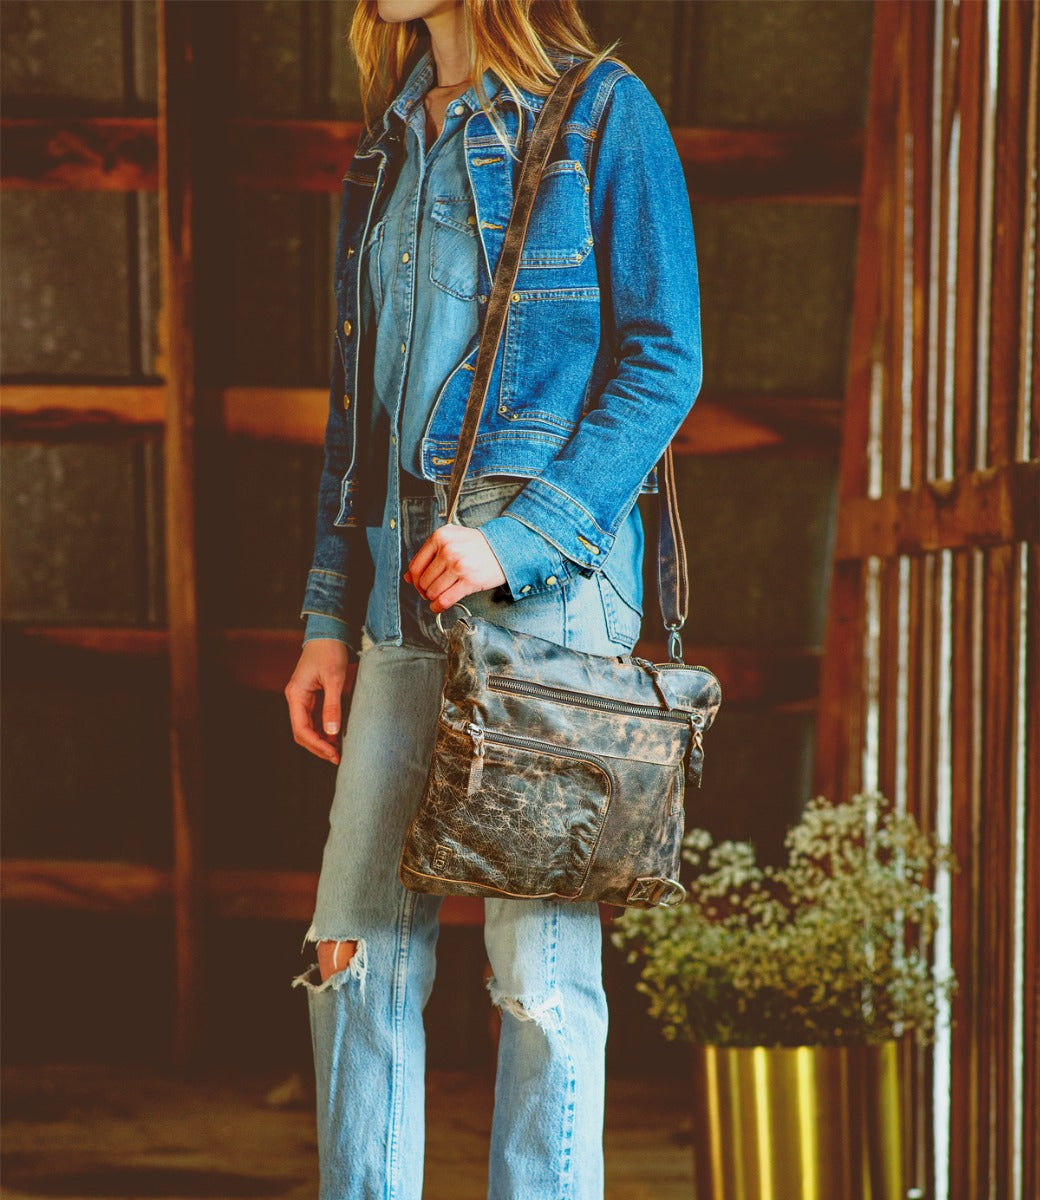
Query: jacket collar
{"x": 421, "y": 77}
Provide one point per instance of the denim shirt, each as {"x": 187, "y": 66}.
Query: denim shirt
{"x": 599, "y": 363}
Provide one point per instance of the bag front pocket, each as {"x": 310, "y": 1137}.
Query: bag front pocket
{"x": 511, "y": 815}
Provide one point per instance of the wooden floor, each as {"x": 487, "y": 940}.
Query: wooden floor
{"x": 78, "y": 1131}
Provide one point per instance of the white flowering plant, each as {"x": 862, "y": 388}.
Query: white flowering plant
{"x": 831, "y": 949}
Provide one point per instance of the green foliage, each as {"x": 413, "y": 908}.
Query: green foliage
{"x": 833, "y": 948}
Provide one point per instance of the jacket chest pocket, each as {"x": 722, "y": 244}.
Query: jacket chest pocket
{"x": 454, "y": 246}
{"x": 560, "y": 232}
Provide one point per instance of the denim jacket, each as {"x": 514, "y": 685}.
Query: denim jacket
{"x": 600, "y": 360}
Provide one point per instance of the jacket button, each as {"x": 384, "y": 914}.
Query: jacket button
{"x": 515, "y": 297}
{"x": 405, "y": 257}
{"x": 347, "y": 327}
{"x": 393, "y": 522}
{"x": 525, "y": 589}
{"x": 346, "y": 400}
{"x": 551, "y": 581}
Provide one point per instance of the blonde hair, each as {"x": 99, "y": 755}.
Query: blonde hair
{"x": 512, "y": 37}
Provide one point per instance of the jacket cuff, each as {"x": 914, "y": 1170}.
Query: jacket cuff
{"x": 321, "y": 625}
{"x": 531, "y": 564}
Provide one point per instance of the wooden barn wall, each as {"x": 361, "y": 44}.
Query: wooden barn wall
{"x": 86, "y": 773}
{"x": 930, "y": 688}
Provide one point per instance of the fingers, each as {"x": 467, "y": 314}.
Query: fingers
{"x": 445, "y": 559}
{"x": 301, "y": 693}
{"x": 454, "y": 561}
{"x": 423, "y": 557}
{"x": 330, "y": 711}
{"x": 459, "y": 590}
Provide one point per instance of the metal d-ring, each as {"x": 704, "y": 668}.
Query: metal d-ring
{"x": 457, "y": 604}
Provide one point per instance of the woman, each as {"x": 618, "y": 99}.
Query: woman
{"x": 599, "y": 364}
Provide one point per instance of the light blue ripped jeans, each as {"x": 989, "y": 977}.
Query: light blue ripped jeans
{"x": 366, "y": 1020}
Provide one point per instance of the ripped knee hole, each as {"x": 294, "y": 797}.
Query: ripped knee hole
{"x": 334, "y": 956}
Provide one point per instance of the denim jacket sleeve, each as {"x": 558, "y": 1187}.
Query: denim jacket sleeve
{"x": 647, "y": 265}
{"x": 530, "y": 563}
{"x": 333, "y": 593}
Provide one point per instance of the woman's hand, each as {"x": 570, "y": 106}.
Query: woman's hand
{"x": 454, "y": 562}
{"x": 322, "y": 668}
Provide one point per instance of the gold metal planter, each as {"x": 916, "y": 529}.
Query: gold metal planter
{"x": 799, "y": 1123}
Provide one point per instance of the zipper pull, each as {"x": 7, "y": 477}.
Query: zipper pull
{"x": 476, "y": 762}
{"x": 695, "y": 761}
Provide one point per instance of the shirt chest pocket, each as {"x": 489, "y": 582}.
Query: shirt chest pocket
{"x": 454, "y": 245}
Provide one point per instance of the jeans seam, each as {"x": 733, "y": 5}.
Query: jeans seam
{"x": 567, "y": 1112}
{"x": 400, "y": 991}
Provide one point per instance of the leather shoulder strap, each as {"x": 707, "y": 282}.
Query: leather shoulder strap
{"x": 673, "y": 584}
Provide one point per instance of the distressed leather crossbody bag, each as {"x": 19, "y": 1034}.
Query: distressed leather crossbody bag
{"x": 556, "y": 773}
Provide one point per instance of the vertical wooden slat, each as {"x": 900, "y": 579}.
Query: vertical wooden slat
{"x": 1009, "y": 195}
{"x": 839, "y": 712}
{"x": 997, "y": 905}
{"x": 970, "y": 76}
{"x": 1031, "y": 913}
{"x": 964, "y": 1145}
{"x": 178, "y": 365}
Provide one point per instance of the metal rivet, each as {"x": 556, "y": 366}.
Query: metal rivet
{"x": 551, "y": 580}
{"x": 346, "y": 400}
{"x": 405, "y": 257}
{"x": 350, "y": 251}
{"x": 393, "y": 522}
{"x": 482, "y": 299}
{"x": 347, "y": 327}
{"x": 471, "y": 219}
{"x": 403, "y": 347}
{"x": 525, "y": 589}
{"x": 515, "y": 297}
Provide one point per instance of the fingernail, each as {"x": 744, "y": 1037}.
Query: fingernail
{"x": 331, "y": 727}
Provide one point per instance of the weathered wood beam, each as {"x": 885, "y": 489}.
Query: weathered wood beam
{"x": 995, "y": 506}
{"x": 121, "y": 887}
{"x": 717, "y": 424}
{"x": 34, "y": 409}
{"x": 811, "y": 166}
{"x": 118, "y": 154}
{"x": 263, "y": 659}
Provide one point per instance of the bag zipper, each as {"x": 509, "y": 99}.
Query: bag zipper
{"x": 480, "y": 736}
{"x": 524, "y": 687}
